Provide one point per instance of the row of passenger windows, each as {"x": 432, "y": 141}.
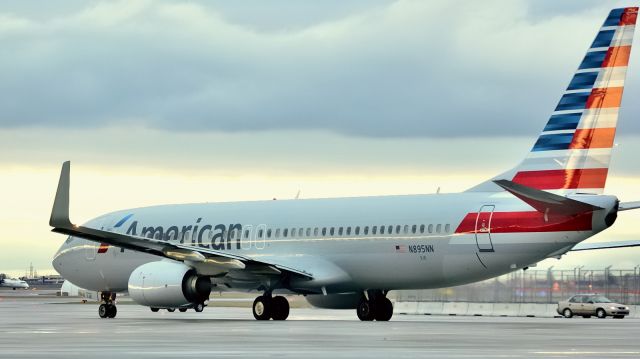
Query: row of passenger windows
{"x": 347, "y": 231}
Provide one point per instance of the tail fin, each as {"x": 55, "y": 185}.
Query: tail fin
{"x": 573, "y": 152}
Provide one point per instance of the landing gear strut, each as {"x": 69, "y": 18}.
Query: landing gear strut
{"x": 108, "y": 307}
{"x": 375, "y": 306}
{"x": 266, "y": 307}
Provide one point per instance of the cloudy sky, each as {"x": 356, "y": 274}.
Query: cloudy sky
{"x": 186, "y": 101}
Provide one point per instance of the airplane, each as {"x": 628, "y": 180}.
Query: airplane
{"x": 13, "y": 283}
{"x": 348, "y": 253}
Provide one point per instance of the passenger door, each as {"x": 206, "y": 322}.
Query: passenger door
{"x": 483, "y": 228}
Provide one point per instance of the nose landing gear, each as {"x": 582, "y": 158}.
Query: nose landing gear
{"x": 108, "y": 308}
{"x": 266, "y": 307}
{"x": 375, "y": 306}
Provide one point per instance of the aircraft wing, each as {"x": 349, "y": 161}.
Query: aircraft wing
{"x": 604, "y": 245}
{"x": 195, "y": 255}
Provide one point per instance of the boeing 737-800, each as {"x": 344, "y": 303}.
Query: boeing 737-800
{"x": 350, "y": 252}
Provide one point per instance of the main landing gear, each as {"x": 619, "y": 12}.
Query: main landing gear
{"x": 108, "y": 307}
{"x": 266, "y": 307}
{"x": 376, "y": 306}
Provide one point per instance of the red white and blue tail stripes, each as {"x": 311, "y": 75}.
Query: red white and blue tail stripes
{"x": 573, "y": 152}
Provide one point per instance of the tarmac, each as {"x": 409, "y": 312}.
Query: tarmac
{"x": 49, "y": 327}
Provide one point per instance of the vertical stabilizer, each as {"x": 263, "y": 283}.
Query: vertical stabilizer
{"x": 573, "y": 152}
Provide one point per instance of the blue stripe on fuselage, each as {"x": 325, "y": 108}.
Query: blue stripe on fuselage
{"x": 124, "y": 219}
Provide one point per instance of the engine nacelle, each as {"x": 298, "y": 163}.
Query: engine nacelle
{"x": 165, "y": 284}
{"x": 335, "y": 301}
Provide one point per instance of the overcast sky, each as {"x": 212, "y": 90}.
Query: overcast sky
{"x": 176, "y": 101}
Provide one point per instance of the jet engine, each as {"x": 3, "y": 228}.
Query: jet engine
{"x": 165, "y": 284}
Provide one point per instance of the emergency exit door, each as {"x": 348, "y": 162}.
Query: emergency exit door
{"x": 483, "y": 228}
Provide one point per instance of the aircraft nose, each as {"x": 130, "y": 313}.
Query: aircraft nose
{"x": 59, "y": 258}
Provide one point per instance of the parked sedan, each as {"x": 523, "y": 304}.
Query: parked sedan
{"x": 587, "y": 305}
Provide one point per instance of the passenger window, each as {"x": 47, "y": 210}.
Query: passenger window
{"x": 414, "y": 228}
{"x": 300, "y": 232}
{"x": 269, "y": 233}
{"x": 246, "y": 234}
{"x": 285, "y": 232}
{"x": 397, "y": 229}
{"x": 406, "y": 229}
{"x": 381, "y": 229}
{"x": 348, "y": 231}
{"x": 366, "y": 230}
{"x": 340, "y": 231}
{"x": 390, "y": 230}
{"x": 332, "y": 231}
{"x": 373, "y": 229}
{"x": 260, "y": 233}
{"x": 315, "y": 231}
{"x": 422, "y": 228}
{"x": 324, "y": 231}
{"x": 308, "y": 232}
{"x": 447, "y": 228}
{"x": 277, "y": 235}
{"x": 438, "y": 227}
{"x": 357, "y": 231}
{"x": 431, "y": 228}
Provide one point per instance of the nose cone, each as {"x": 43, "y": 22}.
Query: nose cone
{"x": 60, "y": 257}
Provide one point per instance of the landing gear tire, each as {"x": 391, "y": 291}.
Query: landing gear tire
{"x": 383, "y": 309}
{"x": 366, "y": 310}
{"x": 103, "y": 311}
{"x": 279, "y": 308}
{"x": 182, "y": 309}
{"x": 107, "y": 311}
{"x": 600, "y": 313}
{"x": 111, "y": 311}
{"x": 171, "y": 310}
{"x": 262, "y": 308}
{"x": 567, "y": 313}
{"x": 155, "y": 310}
{"x": 198, "y": 307}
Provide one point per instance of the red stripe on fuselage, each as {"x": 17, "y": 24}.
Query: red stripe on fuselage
{"x": 521, "y": 222}
{"x": 103, "y": 248}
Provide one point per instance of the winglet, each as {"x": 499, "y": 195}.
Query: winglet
{"x": 546, "y": 202}
{"x": 60, "y": 212}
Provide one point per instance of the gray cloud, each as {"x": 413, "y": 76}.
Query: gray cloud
{"x": 400, "y": 69}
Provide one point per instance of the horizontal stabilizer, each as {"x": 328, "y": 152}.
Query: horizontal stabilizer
{"x": 604, "y": 245}
{"x": 625, "y": 206}
{"x": 546, "y": 202}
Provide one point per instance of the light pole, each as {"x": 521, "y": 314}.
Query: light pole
{"x": 577, "y": 269}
